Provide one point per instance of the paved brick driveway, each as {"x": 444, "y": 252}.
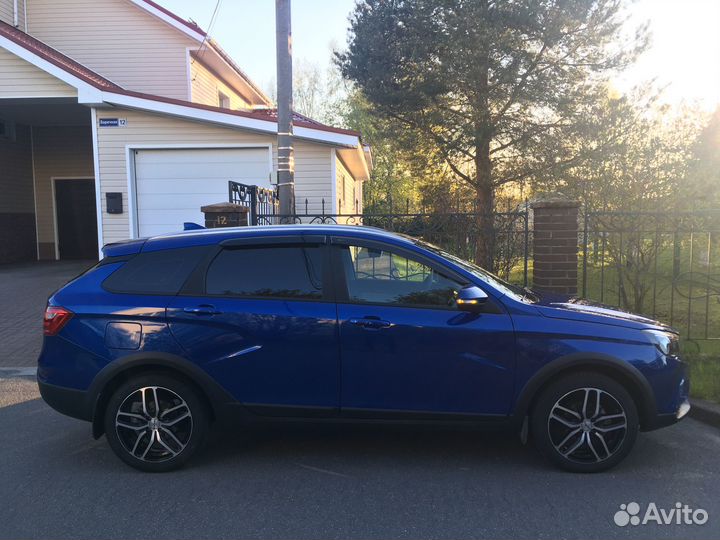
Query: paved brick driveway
{"x": 24, "y": 289}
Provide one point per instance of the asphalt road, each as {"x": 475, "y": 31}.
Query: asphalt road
{"x": 338, "y": 482}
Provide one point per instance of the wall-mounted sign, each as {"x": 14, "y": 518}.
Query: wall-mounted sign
{"x": 113, "y": 122}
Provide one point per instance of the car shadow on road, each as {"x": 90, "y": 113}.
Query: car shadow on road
{"x": 32, "y": 426}
{"x": 411, "y": 444}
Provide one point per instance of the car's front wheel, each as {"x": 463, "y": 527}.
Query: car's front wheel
{"x": 585, "y": 422}
{"x": 155, "y": 422}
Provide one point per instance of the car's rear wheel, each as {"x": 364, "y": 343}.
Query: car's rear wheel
{"x": 155, "y": 422}
{"x": 585, "y": 422}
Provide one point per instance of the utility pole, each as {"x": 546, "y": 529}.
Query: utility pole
{"x": 286, "y": 160}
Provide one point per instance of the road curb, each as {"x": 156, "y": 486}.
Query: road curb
{"x": 705, "y": 411}
{"x": 14, "y": 372}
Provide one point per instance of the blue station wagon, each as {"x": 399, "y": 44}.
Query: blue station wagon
{"x": 336, "y": 323}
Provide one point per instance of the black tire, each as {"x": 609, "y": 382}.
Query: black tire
{"x": 562, "y": 408}
{"x": 179, "y": 437}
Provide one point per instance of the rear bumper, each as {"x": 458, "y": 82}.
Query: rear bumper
{"x": 68, "y": 401}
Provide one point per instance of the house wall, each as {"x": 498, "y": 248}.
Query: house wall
{"x": 6, "y": 13}
{"x": 58, "y": 152}
{"x": 346, "y": 192}
{"x": 312, "y": 161}
{"x": 206, "y": 85}
{"x": 313, "y": 177}
{"x": 118, "y": 40}
{"x": 17, "y": 208}
{"x": 20, "y": 79}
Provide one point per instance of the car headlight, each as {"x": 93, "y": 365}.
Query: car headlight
{"x": 666, "y": 342}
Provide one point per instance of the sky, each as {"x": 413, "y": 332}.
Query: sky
{"x": 684, "y": 56}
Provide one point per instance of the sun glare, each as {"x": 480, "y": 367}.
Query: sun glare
{"x": 684, "y": 55}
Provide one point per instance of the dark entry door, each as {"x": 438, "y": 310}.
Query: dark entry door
{"x": 76, "y": 219}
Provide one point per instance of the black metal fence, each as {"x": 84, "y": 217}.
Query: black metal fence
{"x": 258, "y": 200}
{"x": 661, "y": 264}
{"x": 457, "y": 233}
{"x": 664, "y": 265}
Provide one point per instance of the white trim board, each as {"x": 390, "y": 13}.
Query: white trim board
{"x": 198, "y": 36}
{"x": 333, "y": 180}
{"x": 98, "y": 191}
{"x": 233, "y": 120}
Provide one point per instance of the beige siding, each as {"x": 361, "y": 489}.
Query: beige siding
{"x": 16, "y": 182}
{"x": 118, "y": 40}
{"x": 313, "y": 177}
{"x": 206, "y": 85}
{"x": 346, "y": 190}
{"x": 148, "y": 129}
{"x": 312, "y": 161}
{"x": 19, "y": 78}
{"x": 6, "y": 13}
{"x": 58, "y": 152}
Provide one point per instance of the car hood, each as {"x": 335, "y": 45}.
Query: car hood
{"x": 576, "y": 309}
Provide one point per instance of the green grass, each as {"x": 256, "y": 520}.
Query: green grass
{"x": 704, "y": 376}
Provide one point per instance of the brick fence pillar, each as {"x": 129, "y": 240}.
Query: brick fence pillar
{"x": 225, "y": 215}
{"x": 555, "y": 245}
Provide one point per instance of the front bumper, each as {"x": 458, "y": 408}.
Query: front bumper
{"x": 68, "y": 401}
{"x": 664, "y": 420}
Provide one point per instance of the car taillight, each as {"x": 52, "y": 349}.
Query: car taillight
{"x": 55, "y": 318}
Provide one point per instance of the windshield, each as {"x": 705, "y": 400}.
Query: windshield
{"x": 522, "y": 294}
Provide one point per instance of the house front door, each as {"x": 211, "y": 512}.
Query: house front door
{"x": 76, "y": 218}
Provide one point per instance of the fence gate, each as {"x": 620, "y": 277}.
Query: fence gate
{"x": 259, "y": 201}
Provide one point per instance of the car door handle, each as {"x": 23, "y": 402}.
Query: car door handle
{"x": 202, "y": 310}
{"x": 371, "y": 324}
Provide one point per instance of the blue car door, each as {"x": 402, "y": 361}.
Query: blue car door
{"x": 260, "y": 321}
{"x": 405, "y": 347}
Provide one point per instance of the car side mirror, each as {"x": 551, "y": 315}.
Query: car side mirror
{"x": 470, "y": 298}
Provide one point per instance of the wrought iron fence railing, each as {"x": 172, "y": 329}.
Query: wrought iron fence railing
{"x": 257, "y": 199}
{"x": 661, "y": 264}
{"x": 457, "y": 233}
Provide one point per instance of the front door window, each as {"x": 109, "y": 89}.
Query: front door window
{"x": 378, "y": 276}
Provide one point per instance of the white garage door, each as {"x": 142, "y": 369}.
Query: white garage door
{"x": 172, "y": 185}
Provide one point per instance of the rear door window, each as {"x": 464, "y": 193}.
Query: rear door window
{"x": 155, "y": 272}
{"x": 289, "y": 272}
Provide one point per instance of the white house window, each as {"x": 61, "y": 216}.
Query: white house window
{"x": 223, "y": 101}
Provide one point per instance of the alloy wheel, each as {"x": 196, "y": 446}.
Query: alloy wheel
{"x": 587, "y": 425}
{"x": 154, "y": 424}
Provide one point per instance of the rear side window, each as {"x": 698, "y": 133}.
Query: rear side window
{"x": 155, "y": 272}
{"x": 293, "y": 272}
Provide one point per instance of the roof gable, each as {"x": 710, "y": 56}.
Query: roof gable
{"x": 20, "y": 79}
{"x": 54, "y": 57}
{"x": 188, "y": 28}
{"x": 209, "y": 45}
